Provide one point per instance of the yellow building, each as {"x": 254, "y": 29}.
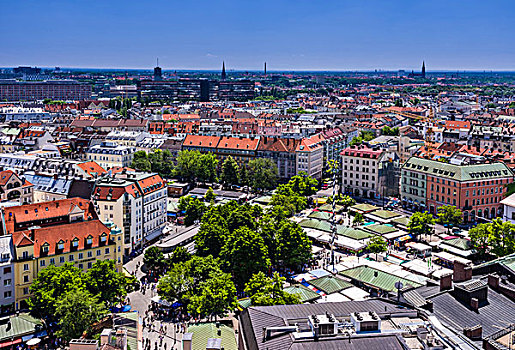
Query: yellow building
{"x": 55, "y": 233}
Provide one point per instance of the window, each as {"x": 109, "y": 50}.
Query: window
{"x": 25, "y": 267}
{"x": 107, "y": 250}
{"x": 7, "y": 282}
{"x": 7, "y": 270}
{"x": 60, "y": 245}
{"x": 71, "y": 257}
{"x": 52, "y": 261}
{"x": 42, "y": 263}
{"x": 61, "y": 259}
{"x": 89, "y": 240}
{"x": 25, "y": 255}
{"x": 7, "y": 294}
{"x": 90, "y": 254}
{"x": 26, "y": 279}
{"x": 98, "y": 252}
{"x": 25, "y": 291}
{"x": 89, "y": 265}
{"x": 81, "y": 266}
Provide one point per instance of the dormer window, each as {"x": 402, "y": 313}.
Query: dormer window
{"x": 60, "y": 245}
{"x": 75, "y": 242}
{"x": 89, "y": 240}
{"x": 103, "y": 237}
{"x": 44, "y": 248}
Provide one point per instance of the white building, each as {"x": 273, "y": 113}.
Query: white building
{"x": 509, "y": 208}
{"x": 109, "y": 155}
{"x": 22, "y": 114}
{"x": 135, "y": 202}
{"x": 7, "y": 274}
{"x": 310, "y": 156}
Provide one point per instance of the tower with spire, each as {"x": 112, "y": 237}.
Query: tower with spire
{"x": 223, "y": 71}
{"x": 423, "y": 69}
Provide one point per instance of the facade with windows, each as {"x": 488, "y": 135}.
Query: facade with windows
{"x": 360, "y": 171}
{"x": 475, "y": 189}
{"x": 109, "y": 155}
{"x": 6, "y": 274}
{"x": 136, "y": 203}
{"x": 55, "y": 233}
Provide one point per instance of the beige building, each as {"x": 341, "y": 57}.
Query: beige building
{"x": 109, "y": 155}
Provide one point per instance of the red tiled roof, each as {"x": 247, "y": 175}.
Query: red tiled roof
{"x": 92, "y": 168}
{"x": 65, "y": 234}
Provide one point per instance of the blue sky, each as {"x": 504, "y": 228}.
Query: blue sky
{"x": 288, "y": 34}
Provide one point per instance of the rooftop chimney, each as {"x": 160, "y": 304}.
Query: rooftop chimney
{"x": 446, "y": 282}
{"x": 462, "y": 271}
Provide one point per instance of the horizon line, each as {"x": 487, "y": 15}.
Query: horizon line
{"x": 368, "y": 70}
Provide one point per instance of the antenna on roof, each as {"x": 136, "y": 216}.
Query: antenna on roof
{"x": 157, "y": 61}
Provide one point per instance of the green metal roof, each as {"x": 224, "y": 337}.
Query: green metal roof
{"x": 458, "y": 172}
{"x": 305, "y": 294}
{"x": 244, "y": 303}
{"x": 350, "y": 232}
{"x": 322, "y": 215}
{"x": 376, "y": 278}
{"x": 401, "y": 221}
{"x": 364, "y": 207}
{"x": 330, "y": 284}
{"x": 328, "y": 207}
{"x": 380, "y": 229}
{"x": 342, "y": 230}
{"x": 21, "y": 325}
{"x": 203, "y": 331}
{"x": 460, "y": 243}
{"x": 384, "y": 214}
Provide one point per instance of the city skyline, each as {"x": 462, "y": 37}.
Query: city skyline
{"x": 340, "y": 36}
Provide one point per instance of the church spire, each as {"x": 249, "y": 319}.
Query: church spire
{"x": 223, "y": 71}
{"x": 423, "y": 69}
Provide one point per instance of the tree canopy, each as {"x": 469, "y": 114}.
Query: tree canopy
{"x": 420, "y": 223}
{"x": 262, "y": 174}
{"x": 265, "y": 291}
{"x": 230, "y": 172}
{"x": 449, "y": 215}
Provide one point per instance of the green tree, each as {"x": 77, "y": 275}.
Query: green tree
{"x": 358, "y": 219}
{"x": 479, "y": 237}
{"x": 241, "y": 217}
{"x": 154, "y": 258}
{"x": 103, "y": 280}
{"x": 293, "y": 245}
{"x": 179, "y": 255}
{"x": 449, "y": 215}
{"x": 303, "y": 184}
{"x": 420, "y": 224}
{"x": 390, "y": 131}
{"x": 502, "y": 237}
{"x": 244, "y": 254}
{"x": 230, "y": 172}
{"x": 262, "y": 174}
{"x": 207, "y": 168}
{"x": 210, "y": 195}
{"x": 77, "y": 311}
{"x": 183, "y": 280}
{"x": 188, "y": 163}
{"x": 243, "y": 176}
{"x": 377, "y": 244}
{"x": 50, "y": 285}
{"x": 217, "y": 296}
{"x": 211, "y": 236}
{"x": 161, "y": 162}
{"x": 141, "y": 162}
{"x": 265, "y": 291}
{"x": 193, "y": 208}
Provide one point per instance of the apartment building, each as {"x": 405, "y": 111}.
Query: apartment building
{"x": 282, "y": 153}
{"x": 12, "y": 90}
{"x": 54, "y": 233}
{"x": 476, "y": 189}
{"x": 136, "y": 203}
{"x": 310, "y": 156}
{"x": 14, "y": 188}
{"x": 360, "y": 171}
{"x": 6, "y": 274}
{"x": 109, "y": 155}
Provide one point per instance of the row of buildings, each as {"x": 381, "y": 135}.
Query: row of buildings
{"x": 181, "y": 89}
